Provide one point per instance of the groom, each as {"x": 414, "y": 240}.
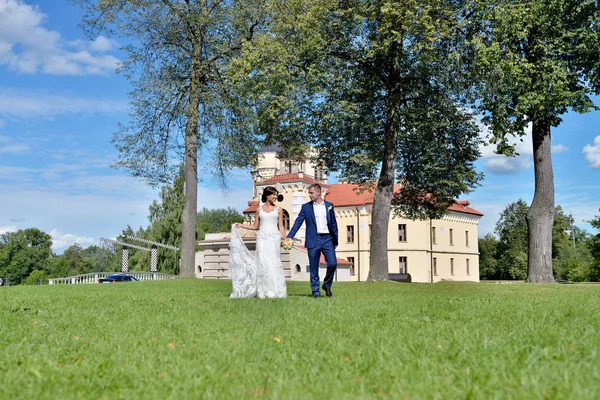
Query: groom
{"x": 321, "y": 237}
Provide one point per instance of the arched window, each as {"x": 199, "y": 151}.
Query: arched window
{"x": 286, "y": 220}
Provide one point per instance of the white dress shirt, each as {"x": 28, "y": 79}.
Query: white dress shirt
{"x": 321, "y": 217}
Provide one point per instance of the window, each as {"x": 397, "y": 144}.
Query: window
{"x": 286, "y": 220}
{"x": 352, "y": 271}
{"x": 435, "y": 266}
{"x": 468, "y": 268}
{"x": 298, "y": 268}
{"x": 350, "y": 233}
{"x": 319, "y": 174}
{"x": 452, "y": 266}
{"x": 451, "y": 237}
{"x": 433, "y": 237}
{"x": 288, "y": 167}
{"x": 402, "y": 232}
{"x": 403, "y": 265}
{"x": 467, "y": 238}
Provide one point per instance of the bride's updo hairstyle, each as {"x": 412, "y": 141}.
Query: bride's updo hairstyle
{"x": 269, "y": 190}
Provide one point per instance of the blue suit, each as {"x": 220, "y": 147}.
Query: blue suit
{"x": 318, "y": 244}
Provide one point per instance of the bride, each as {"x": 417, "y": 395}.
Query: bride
{"x": 260, "y": 275}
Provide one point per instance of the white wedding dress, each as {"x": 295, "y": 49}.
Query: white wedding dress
{"x": 261, "y": 275}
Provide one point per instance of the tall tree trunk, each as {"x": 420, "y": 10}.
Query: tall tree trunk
{"x": 382, "y": 204}
{"x": 382, "y": 200}
{"x": 540, "y": 217}
{"x": 190, "y": 208}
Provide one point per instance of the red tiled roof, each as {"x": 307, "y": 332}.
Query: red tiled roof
{"x": 252, "y": 207}
{"x": 348, "y": 195}
{"x": 463, "y": 207}
{"x": 291, "y": 178}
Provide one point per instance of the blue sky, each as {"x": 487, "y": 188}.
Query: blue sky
{"x": 61, "y": 101}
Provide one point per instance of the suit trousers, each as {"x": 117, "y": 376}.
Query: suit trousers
{"x": 324, "y": 246}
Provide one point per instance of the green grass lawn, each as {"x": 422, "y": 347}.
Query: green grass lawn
{"x": 185, "y": 339}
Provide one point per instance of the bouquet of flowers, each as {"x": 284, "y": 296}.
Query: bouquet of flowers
{"x": 287, "y": 244}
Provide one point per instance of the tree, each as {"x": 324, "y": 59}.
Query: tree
{"x": 101, "y": 259}
{"x": 594, "y": 246}
{"x": 488, "y": 262}
{"x": 36, "y": 277}
{"x": 533, "y": 61}
{"x": 372, "y": 85}
{"x": 74, "y": 259}
{"x": 511, "y": 229}
{"x": 574, "y": 264}
{"x": 182, "y": 101}
{"x": 512, "y": 249}
{"x": 217, "y": 220}
{"x": 22, "y": 252}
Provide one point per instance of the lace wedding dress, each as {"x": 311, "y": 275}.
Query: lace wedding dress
{"x": 260, "y": 275}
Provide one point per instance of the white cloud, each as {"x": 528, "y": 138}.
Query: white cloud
{"x": 592, "y": 153}
{"x": 14, "y": 149}
{"x": 559, "y": 148}
{"x": 18, "y": 174}
{"x": 10, "y": 145}
{"x": 27, "y": 47}
{"x": 30, "y": 104}
{"x": 102, "y": 44}
{"x": 62, "y": 241}
{"x": 503, "y": 165}
{"x": 6, "y": 229}
{"x": 508, "y": 165}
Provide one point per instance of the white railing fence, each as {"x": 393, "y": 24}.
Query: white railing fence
{"x": 94, "y": 276}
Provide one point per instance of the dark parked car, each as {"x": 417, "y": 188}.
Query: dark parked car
{"x": 117, "y": 278}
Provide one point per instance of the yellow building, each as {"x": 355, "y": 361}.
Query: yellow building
{"x": 430, "y": 250}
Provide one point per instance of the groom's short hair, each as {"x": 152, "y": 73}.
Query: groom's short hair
{"x": 315, "y": 186}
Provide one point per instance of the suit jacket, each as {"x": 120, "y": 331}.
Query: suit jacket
{"x": 307, "y": 213}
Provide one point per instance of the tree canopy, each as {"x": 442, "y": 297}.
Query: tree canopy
{"x": 22, "y": 252}
{"x": 532, "y": 62}
{"x": 177, "y": 56}
{"x": 373, "y": 85}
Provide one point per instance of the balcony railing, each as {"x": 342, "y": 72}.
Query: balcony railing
{"x": 94, "y": 276}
